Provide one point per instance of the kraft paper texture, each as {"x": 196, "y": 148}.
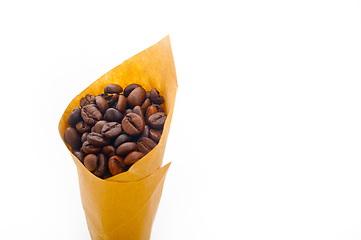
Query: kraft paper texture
{"x": 124, "y": 206}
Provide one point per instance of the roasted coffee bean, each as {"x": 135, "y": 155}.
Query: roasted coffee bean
{"x": 74, "y": 116}
{"x": 147, "y": 94}
{"x": 129, "y": 110}
{"x": 111, "y": 130}
{"x": 72, "y": 137}
{"x": 133, "y": 124}
{"x": 122, "y": 138}
{"x": 156, "y": 97}
{"x": 133, "y": 157}
{"x": 101, "y": 104}
{"x": 150, "y": 111}
{"x": 82, "y": 127}
{"x": 113, "y": 88}
{"x": 88, "y": 99}
{"x": 91, "y": 162}
{"x": 130, "y": 88}
{"x": 88, "y": 148}
{"x": 145, "y": 145}
{"x": 102, "y": 166}
{"x": 91, "y": 114}
{"x": 145, "y": 132}
{"x": 109, "y": 150}
{"x": 136, "y": 97}
{"x": 146, "y": 104}
{"x": 138, "y": 110}
{"x": 79, "y": 155}
{"x": 155, "y": 135}
{"x": 116, "y": 165}
{"x": 121, "y": 104}
{"x": 113, "y": 115}
{"x": 97, "y": 139}
{"x": 111, "y": 98}
{"x": 99, "y": 125}
{"x": 84, "y": 136}
{"x": 158, "y": 107}
{"x": 126, "y": 148}
{"x": 157, "y": 120}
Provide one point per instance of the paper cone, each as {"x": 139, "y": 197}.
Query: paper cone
{"x": 124, "y": 206}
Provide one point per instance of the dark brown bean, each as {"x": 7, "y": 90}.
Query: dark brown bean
{"x": 150, "y": 111}
{"x": 145, "y": 145}
{"x": 102, "y": 166}
{"x": 109, "y": 150}
{"x": 155, "y": 135}
{"x": 130, "y": 88}
{"x": 84, "y": 136}
{"x": 116, "y": 165}
{"x": 133, "y": 157}
{"x": 88, "y": 99}
{"x": 101, "y": 104}
{"x": 136, "y": 97}
{"x": 133, "y": 124}
{"x": 99, "y": 125}
{"x": 156, "y": 97}
{"x": 157, "y": 120}
{"x": 121, "y": 104}
{"x": 88, "y": 148}
{"x": 91, "y": 114}
{"x": 122, "y": 138}
{"x": 146, "y": 104}
{"x": 72, "y": 137}
{"x": 79, "y": 155}
{"x": 111, "y": 98}
{"x": 113, "y": 88}
{"x": 138, "y": 110}
{"x": 111, "y": 130}
{"x": 97, "y": 139}
{"x": 113, "y": 115}
{"x": 91, "y": 162}
{"x": 74, "y": 116}
{"x": 126, "y": 148}
{"x": 82, "y": 127}
{"x": 145, "y": 132}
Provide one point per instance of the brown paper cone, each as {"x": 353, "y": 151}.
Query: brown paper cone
{"x": 124, "y": 206}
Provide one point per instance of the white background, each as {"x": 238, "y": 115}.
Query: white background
{"x": 266, "y": 135}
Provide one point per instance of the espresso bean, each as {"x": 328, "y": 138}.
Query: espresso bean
{"x": 89, "y": 148}
{"x": 111, "y": 98}
{"x": 133, "y": 157}
{"x": 122, "y": 138}
{"x": 121, "y": 104}
{"x": 97, "y": 139}
{"x": 145, "y": 145}
{"x": 113, "y": 88}
{"x": 102, "y": 165}
{"x": 82, "y": 127}
{"x": 157, "y": 120}
{"x": 79, "y": 155}
{"x": 99, "y": 125}
{"x": 150, "y": 111}
{"x": 158, "y": 107}
{"x": 91, "y": 162}
{"x": 129, "y": 110}
{"x": 91, "y": 114}
{"x": 88, "y": 99}
{"x": 126, "y": 148}
{"x": 116, "y": 165}
{"x": 146, "y": 131}
{"x": 130, "y": 88}
{"x": 72, "y": 137}
{"x": 113, "y": 115}
{"x": 146, "y": 104}
{"x": 138, "y": 110}
{"x": 109, "y": 150}
{"x": 136, "y": 97}
{"x": 156, "y": 97}
{"x": 101, "y": 104}
{"x": 74, "y": 116}
{"x": 155, "y": 135}
{"x": 111, "y": 130}
{"x": 133, "y": 124}
{"x": 84, "y": 136}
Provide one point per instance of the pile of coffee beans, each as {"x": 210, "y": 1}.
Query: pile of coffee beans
{"x": 108, "y": 133}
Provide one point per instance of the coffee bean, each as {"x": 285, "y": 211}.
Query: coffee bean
{"x": 74, "y": 116}
{"x": 146, "y": 104}
{"x": 111, "y": 98}
{"x": 88, "y": 148}
{"x": 82, "y": 127}
{"x": 155, "y": 135}
{"x": 102, "y": 166}
{"x": 79, "y": 155}
{"x": 158, "y": 107}
{"x": 129, "y": 110}
{"x": 138, "y": 110}
{"x": 116, "y": 165}
{"x": 145, "y": 145}
{"x": 126, "y": 148}
{"x": 133, "y": 124}
{"x": 72, "y": 137}
{"x": 155, "y": 97}
{"x": 113, "y": 88}
{"x": 88, "y": 99}
{"x": 111, "y": 130}
{"x": 122, "y": 138}
{"x": 91, "y": 114}
{"x": 157, "y": 120}
{"x": 97, "y": 139}
{"x": 150, "y": 111}
{"x": 133, "y": 157}
{"x": 136, "y": 97}
{"x": 101, "y": 104}
{"x": 99, "y": 125}
{"x": 91, "y": 162}
{"x": 130, "y": 88}
{"x": 84, "y": 136}
{"x": 121, "y": 104}
{"x": 109, "y": 150}
{"x": 113, "y": 115}
{"x": 145, "y": 132}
